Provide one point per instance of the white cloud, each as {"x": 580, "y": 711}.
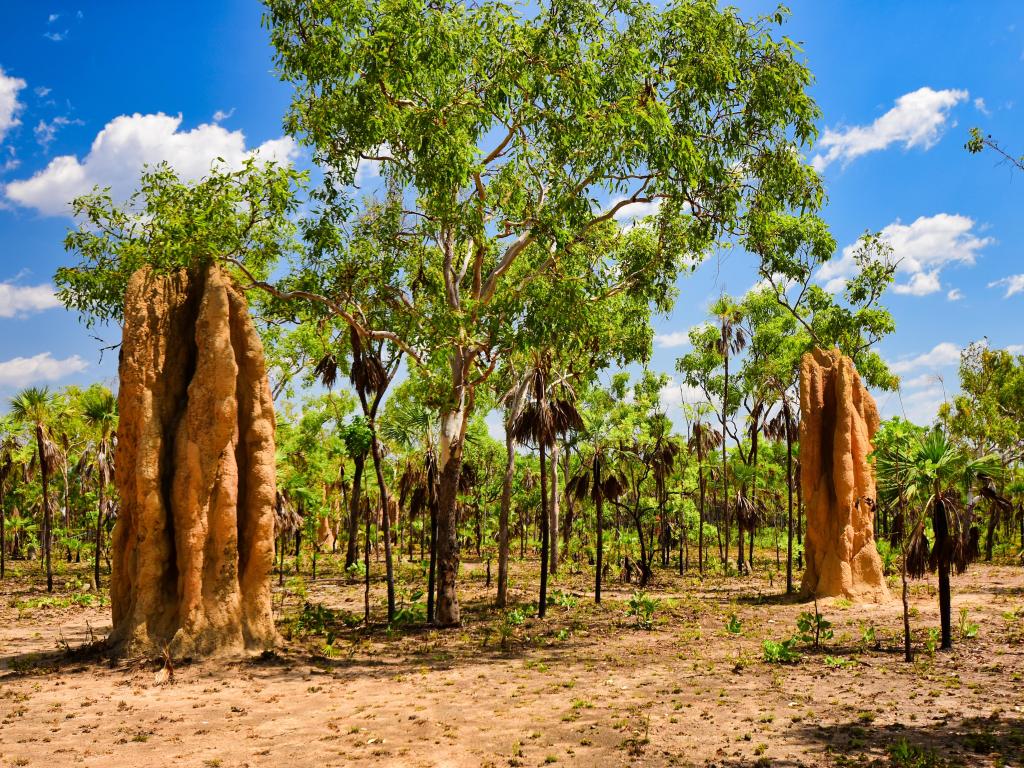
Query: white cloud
{"x": 954, "y": 295}
{"x": 52, "y": 18}
{"x": 1015, "y": 349}
{"x": 979, "y": 104}
{"x": 923, "y": 248}
{"x": 672, "y": 339}
{"x": 46, "y": 132}
{"x": 42, "y": 91}
{"x": 127, "y": 143}
{"x": 22, "y": 371}
{"x": 942, "y": 354}
{"x": 675, "y": 393}
{"x": 924, "y": 380}
{"x": 1014, "y": 284}
{"x": 220, "y": 115}
{"x": 917, "y": 120}
{"x": 920, "y": 284}
{"x": 922, "y": 406}
{"x": 21, "y": 299}
{"x": 56, "y": 36}
{"x": 9, "y": 104}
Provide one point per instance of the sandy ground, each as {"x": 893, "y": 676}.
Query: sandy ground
{"x": 583, "y": 687}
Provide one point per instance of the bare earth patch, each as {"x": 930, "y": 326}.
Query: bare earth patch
{"x": 584, "y": 687}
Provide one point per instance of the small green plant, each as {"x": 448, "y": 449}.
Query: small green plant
{"x": 903, "y": 754}
{"x": 780, "y": 651}
{"x": 932, "y": 642}
{"x": 968, "y": 628}
{"x": 838, "y": 662}
{"x": 563, "y": 599}
{"x": 357, "y": 570}
{"x": 869, "y": 638}
{"x": 813, "y": 628}
{"x": 642, "y": 608}
{"x": 506, "y": 626}
{"x": 733, "y": 625}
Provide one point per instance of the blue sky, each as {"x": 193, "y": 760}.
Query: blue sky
{"x": 90, "y": 91}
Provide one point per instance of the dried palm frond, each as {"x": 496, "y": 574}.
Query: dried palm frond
{"x": 367, "y": 373}
{"x": 578, "y": 486}
{"x": 286, "y": 520}
{"x": 327, "y": 370}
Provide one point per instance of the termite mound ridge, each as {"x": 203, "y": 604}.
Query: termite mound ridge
{"x": 838, "y": 420}
{"x": 195, "y": 471}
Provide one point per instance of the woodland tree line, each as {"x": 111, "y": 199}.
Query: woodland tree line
{"x": 490, "y": 272}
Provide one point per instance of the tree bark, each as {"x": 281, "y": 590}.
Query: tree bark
{"x": 47, "y": 514}
{"x": 789, "y": 493}
{"x": 941, "y": 528}
{"x": 506, "y": 504}
{"x": 453, "y": 429}
{"x": 99, "y": 531}
{"x": 545, "y": 525}
{"x": 599, "y": 513}
{"x": 351, "y": 550}
{"x": 553, "y": 516}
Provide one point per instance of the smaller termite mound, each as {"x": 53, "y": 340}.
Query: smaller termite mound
{"x": 193, "y": 544}
{"x": 838, "y": 421}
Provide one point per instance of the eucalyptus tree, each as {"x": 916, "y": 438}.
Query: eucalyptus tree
{"x": 32, "y": 408}
{"x": 499, "y": 126}
{"x": 99, "y": 410}
{"x": 987, "y": 416}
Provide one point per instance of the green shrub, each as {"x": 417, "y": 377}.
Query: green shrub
{"x": 642, "y": 607}
{"x": 780, "y": 652}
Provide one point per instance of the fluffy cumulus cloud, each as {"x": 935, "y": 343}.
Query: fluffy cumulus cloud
{"x": 44, "y": 367}
{"x": 955, "y": 294}
{"x": 917, "y": 120}
{"x": 17, "y": 300}
{"x": 672, "y": 339}
{"x": 923, "y": 248}
{"x": 9, "y": 104}
{"x": 1012, "y": 283}
{"x": 124, "y": 146}
{"x": 941, "y": 355}
{"x": 676, "y": 393}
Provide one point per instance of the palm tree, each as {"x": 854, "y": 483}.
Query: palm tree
{"x": 32, "y": 408}
{"x": 540, "y": 422}
{"x": 932, "y": 476}
{"x": 731, "y": 341}
{"x": 99, "y": 410}
{"x": 8, "y": 445}
{"x": 702, "y": 442}
{"x": 785, "y": 424}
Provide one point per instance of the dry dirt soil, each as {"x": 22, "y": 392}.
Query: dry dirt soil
{"x": 585, "y": 686}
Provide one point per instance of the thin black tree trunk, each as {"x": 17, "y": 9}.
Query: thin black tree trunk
{"x": 599, "y": 512}
{"x": 544, "y": 533}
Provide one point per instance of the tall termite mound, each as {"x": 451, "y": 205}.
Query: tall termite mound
{"x": 193, "y": 544}
{"x": 838, "y": 420}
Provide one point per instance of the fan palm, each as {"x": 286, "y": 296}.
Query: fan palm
{"x": 8, "y": 445}
{"x": 785, "y": 425}
{"x": 32, "y": 408}
{"x": 540, "y": 422}
{"x": 99, "y": 410}
{"x": 932, "y": 475}
{"x": 703, "y": 441}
